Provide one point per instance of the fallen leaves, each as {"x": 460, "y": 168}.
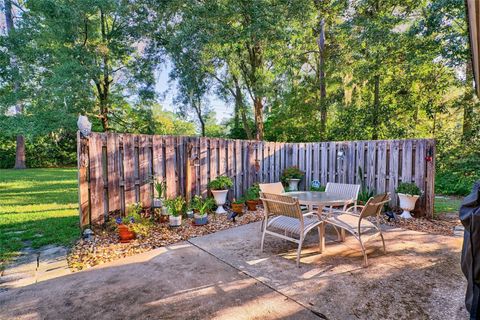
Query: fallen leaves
{"x": 442, "y": 224}
{"x": 104, "y": 245}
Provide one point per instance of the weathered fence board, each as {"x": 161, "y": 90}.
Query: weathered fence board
{"x": 116, "y": 170}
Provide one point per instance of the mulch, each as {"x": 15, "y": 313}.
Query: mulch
{"x": 104, "y": 246}
{"x": 442, "y": 224}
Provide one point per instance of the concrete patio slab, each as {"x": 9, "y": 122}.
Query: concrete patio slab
{"x": 419, "y": 278}
{"x": 176, "y": 282}
{"x": 225, "y": 276}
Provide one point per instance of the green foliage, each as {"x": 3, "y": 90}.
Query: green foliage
{"x": 239, "y": 201}
{"x": 292, "y": 173}
{"x": 253, "y": 193}
{"x": 161, "y": 188}
{"x": 318, "y": 189}
{"x": 221, "y": 183}
{"x": 176, "y": 206}
{"x": 202, "y": 206}
{"x": 409, "y": 188}
{"x": 365, "y": 193}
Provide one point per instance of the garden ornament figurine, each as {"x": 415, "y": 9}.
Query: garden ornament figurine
{"x": 84, "y": 126}
{"x": 470, "y": 260}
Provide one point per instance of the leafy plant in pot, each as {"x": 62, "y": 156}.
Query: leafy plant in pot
{"x": 201, "y": 208}
{"x": 252, "y": 195}
{"x": 176, "y": 208}
{"x": 133, "y": 224}
{"x": 292, "y": 177}
{"x": 161, "y": 189}
{"x": 408, "y": 194}
{"x": 238, "y": 205}
{"x": 219, "y": 187}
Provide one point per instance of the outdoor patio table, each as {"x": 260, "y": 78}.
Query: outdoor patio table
{"x": 321, "y": 200}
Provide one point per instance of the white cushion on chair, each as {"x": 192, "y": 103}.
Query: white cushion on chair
{"x": 292, "y": 225}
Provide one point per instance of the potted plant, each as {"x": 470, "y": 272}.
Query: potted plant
{"x": 176, "y": 208}
{"x": 238, "y": 205}
{"x": 292, "y": 176}
{"x": 316, "y": 186}
{"x": 408, "y": 194}
{"x": 219, "y": 187}
{"x": 126, "y": 226}
{"x": 202, "y": 207}
{"x": 161, "y": 188}
{"x": 252, "y": 196}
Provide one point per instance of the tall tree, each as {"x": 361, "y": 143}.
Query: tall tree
{"x": 18, "y": 108}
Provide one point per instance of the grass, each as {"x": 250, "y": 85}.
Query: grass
{"x": 37, "y": 207}
{"x": 447, "y": 204}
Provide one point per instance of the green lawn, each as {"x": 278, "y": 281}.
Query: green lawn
{"x": 447, "y": 204}
{"x": 37, "y": 207}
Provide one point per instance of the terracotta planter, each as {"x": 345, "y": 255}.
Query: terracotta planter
{"x": 237, "y": 208}
{"x": 252, "y": 205}
{"x": 125, "y": 234}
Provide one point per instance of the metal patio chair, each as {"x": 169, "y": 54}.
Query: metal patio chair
{"x": 350, "y": 190}
{"x": 354, "y": 221}
{"x": 283, "y": 213}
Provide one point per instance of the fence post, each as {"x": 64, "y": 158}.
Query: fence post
{"x": 83, "y": 193}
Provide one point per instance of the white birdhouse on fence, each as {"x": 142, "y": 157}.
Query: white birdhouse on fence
{"x": 84, "y": 125}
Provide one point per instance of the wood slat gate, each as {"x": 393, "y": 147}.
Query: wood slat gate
{"x": 116, "y": 170}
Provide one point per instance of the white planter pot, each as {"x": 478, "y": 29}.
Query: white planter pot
{"x": 293, "y": 184}
{"x": 175, "y": 221}
{"x": 407, "y": 204}
{"x": 220, "y": 198}
{"x": 157, "y": 202}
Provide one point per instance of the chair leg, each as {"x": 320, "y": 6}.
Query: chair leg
{"x": 299, "y": 250}
{"x": 365, "y": 260}
{"x": 383, "y": 242}
{"x": 342, "y": 235}
{"x": 264, "y": 228}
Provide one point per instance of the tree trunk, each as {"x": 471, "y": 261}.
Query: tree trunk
{"x": 468, "y": 104}
{"x": 321, "y": 78}
{"x": 20, "y": 142}
{"x": 258, "y": 105}
{"x": 376, "y": 107}
{"x": 20, "y": 153}
{"x": 241, "y": 108}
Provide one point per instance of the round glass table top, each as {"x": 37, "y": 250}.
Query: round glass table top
{"x": 319, "y": 198}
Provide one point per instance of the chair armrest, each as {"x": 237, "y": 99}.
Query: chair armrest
{"x": 311, "y": 213}
{"x": 349, "y": 210}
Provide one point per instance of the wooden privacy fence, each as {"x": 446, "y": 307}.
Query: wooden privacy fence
{"x": 116, "y": 170}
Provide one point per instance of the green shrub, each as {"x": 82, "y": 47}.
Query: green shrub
{"x": 409, "y": 188}
{"x": 253, "y": 193}
{"x": 221, "y": 183}
{"x": 176, "y": 206}
{"x": 456, "y": 174}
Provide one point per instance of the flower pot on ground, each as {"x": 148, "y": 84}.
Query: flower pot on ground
{"x": 201, "y": 207}
{"x": 200, "y": 220}
{"x": 293, "y": 184}
{"x": 253, "y": 195}
{"x": 408, "y": 194}
{"x": 238, "y": 205}
{"x": 292, "y": 177}
{"x": 219, "y": 187}
{"x": 177, "y": 208}
{"x": 125, "y": 234}
{"x": 190, "y": 214}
